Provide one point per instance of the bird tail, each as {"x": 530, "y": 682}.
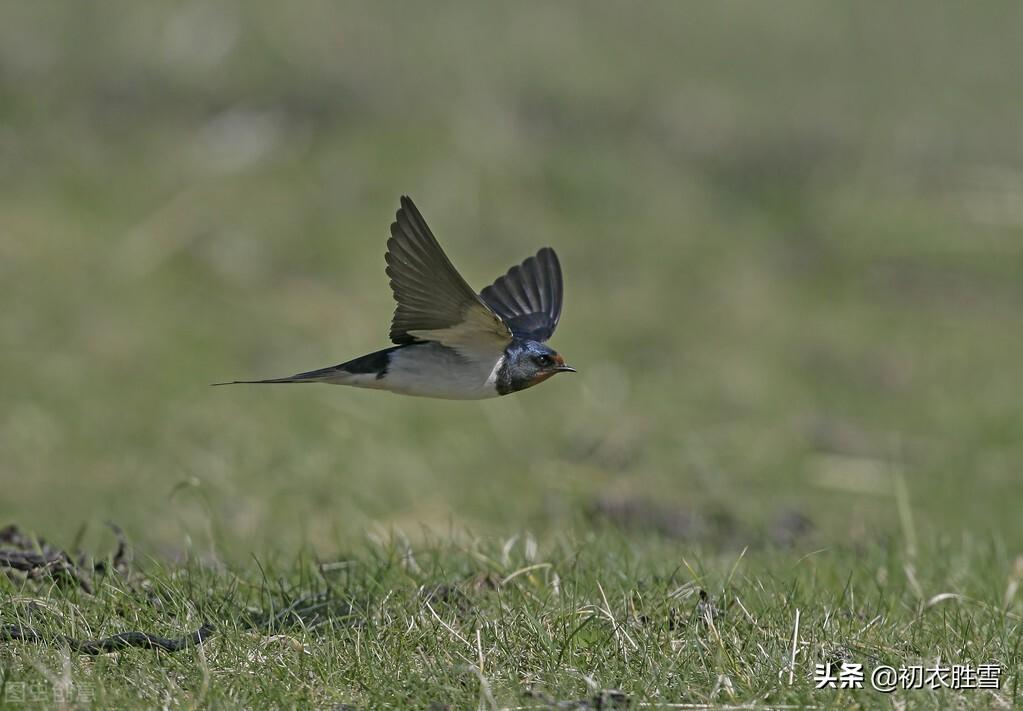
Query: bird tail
{"x": 364, "y": 371}
{"x": 313, "y": 376}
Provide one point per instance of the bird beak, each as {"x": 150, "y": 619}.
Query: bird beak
{"x": 560, "y": 366}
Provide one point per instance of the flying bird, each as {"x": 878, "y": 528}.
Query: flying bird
{"x": 451, "y": 342}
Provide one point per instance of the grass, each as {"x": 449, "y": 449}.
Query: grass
{"x": 791, "y": 237}
{"x": 523, "y": 623}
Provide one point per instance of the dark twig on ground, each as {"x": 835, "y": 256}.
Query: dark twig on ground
{"x": 104, "y": 645}
{"x": 36, "y": 559}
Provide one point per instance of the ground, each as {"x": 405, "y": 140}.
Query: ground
{"x": 792, "y": 237}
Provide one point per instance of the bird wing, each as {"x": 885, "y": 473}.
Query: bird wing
{"x": 434, "y": 301}
{"x": 528, "y": 298}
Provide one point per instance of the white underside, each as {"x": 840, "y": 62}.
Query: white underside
{"x": 430, "y": 370}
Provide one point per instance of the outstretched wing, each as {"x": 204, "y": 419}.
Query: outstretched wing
{"x": 528, "y": 298}
{"x": 434, "y": 302}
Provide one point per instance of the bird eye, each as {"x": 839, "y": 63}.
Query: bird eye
{"x": 543, "y": 360}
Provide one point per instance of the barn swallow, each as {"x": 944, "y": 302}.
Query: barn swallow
{"x": 451, "y": 342}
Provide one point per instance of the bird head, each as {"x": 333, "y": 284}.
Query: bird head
{"x": 529, "y": 363}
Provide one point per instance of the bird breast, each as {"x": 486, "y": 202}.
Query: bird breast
{"x": 433, "y": 370}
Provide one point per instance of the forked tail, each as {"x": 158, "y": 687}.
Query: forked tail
{"x": 313, "y": 376}
{"x": 360, "y": 372}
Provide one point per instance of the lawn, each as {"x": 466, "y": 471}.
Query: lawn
{"x": 792, "y": 237}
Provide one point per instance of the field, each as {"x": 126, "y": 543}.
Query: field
{"x": 792, "y": 236}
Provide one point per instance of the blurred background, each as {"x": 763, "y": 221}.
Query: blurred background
{"x": 792, "y": 236}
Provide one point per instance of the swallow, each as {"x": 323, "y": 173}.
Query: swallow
{"x": 451, "y": 342}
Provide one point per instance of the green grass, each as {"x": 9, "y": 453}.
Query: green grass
{"x": 523, "y": 622}
{"x": 792, "y": 240}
